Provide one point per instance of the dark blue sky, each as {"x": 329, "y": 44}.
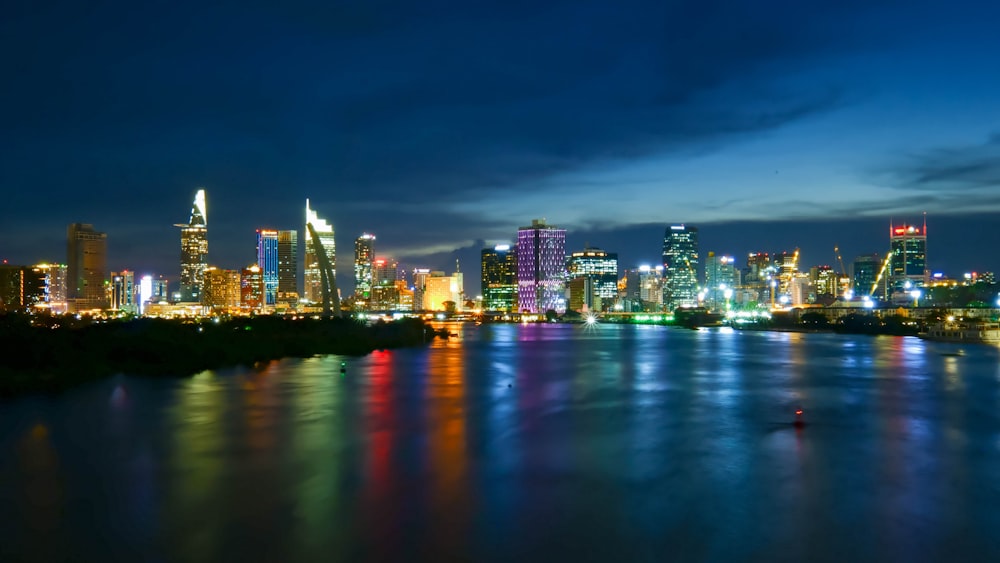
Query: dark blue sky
{"x": 440, "y": 126}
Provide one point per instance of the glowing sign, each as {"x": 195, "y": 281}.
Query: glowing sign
{"x": 502, "y": 247}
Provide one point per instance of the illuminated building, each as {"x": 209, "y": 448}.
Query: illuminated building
{"x": 908, "y": 258}
{"x": 404, "y": 296}
{"x": 385, "y": 273}
{"x": 160, "y": 293}
{"x": 651, "y": 287}
{"x": 541, "y": 268}
{"x": 760, "y": 273}
{"x": 22, "y": 288}
{"x": 602, "y": 269}
{"x": 123, "y": 292}
{"x": 824, "y": 282}
{"x": 787, "y": 266}
{"x": 313, "y": 290}
{"x": 443, "y": 293}
{"x": 251, "y": 289}
{"x": 420, "y": 276}
{"x": 222, "y": 292}
{"x": 721, "y": 281}
{"x": 55, "y": 286}
{"x": 86, "y": 259}
{"x": 288, "y": 267}
{"x": 680, "y": 267}
{"x": 499, "y": 278}
{"x": 194, "y": 250}
{"x": 267, "y": 261}
{"x": 364, "y": 256}
{"x": 145, "y": 293}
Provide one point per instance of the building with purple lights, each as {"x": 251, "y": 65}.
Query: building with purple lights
{"x": 541, "y": 267}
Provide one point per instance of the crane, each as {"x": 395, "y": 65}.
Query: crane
{"x": 843, "y": 270}
{"x": 881, "y": 272}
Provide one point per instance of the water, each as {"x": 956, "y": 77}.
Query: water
{"x": 511, "y": 442}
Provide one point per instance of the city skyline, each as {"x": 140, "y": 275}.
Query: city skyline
{"x": 776, "y": 120}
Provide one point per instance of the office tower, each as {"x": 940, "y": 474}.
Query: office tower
{"x": 385, "y": 273}
{"x": 364, "y": 256}
{"x": 651, "y": 287}
{"x": 680, "y": 267}
{"x": 541, "y": 268}
{"x": 787, "y": 266}
{"x": 420, "y": 276}
{"x": 907, "y": 258}
{"x": 145, "y": 293}
{"x": 55, "y": 286}
{"x": 86, "y": 259}
{"x": 313, "y": 290}
{"x": 22, "y": 288}
{"x": 443, "y": 293}
{"x": 123, "y": 291}
{"x": 824, "y": 282}
{"x": 288, "y": 267}
{"x": 222, "y": 292}
{"x": 602, "y": 269}
{"x": 267, "y": 261}
{"x": 499, "y": 278}
{"x": 194, "y": 250}
{"x": 251, "y": 289}
{"x": 161, "y": 293}
{"x": 721, "y": 280}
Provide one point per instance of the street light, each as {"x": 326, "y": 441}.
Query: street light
{"x": 915, "y": 294}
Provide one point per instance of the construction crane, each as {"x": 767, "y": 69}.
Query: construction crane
{"x": 843, "y": 270}
{"x": 881, "y": 272}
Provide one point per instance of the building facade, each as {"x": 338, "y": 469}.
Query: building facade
{"x": 124, "y": 292}
{"x": 22, "y": 288}
{"x": 267, "y": 261}
{"x": 194, "y": 250}
{"x": 499, "y": 278}
{"x": 313, "y": 278}
{"x": 364, "y": 258}
{"x": 541, "y": 268}
{"x": 86, "y": 267}
{"x": 251, "y": 290}
{"x": 384, "y": 295}
{"x": 721, "y": 281}
{"x": 288, "y": 267}
{"x": 908, "y": 259}
{"x": 602, "y": 269}
{"x": 680, "y": 267}
{"x": 222, "y": 293}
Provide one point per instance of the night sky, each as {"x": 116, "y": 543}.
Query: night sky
{"x": 441, "y": 127}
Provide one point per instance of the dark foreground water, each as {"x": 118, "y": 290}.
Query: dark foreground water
{"x": 523, "y": 443}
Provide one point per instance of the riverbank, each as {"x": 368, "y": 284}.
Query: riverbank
{"x": 52, "y": 358}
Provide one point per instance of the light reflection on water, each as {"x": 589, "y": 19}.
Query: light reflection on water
{"x": 532, "y": 442}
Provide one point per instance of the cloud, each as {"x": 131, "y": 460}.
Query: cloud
{"x": 965, "y": 168}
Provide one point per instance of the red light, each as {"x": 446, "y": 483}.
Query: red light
{"x": 899, "y": 231}
{"x": 798, "y": 412}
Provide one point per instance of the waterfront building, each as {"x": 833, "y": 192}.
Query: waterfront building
{"x": 159, "y": 290}
{"x": 267, "y": 261}
{"x": 420, "y": 276}
{"x": 55, "y": 286}
{"x": 288, "y": 267}
{"x": 251, "y": 290}
{"x": 443, "y": 293}
{"x": 680, "y": 267}
{"x": 313, "y": 279}
{"x": 721, "y": 281}
{"x": 123, "y": 292}
{"x": 541, "y": 268}
{"x": 385, "y": 273}
{"x": 194, "y": 250}
{"x": 222, "y": 294}
{"x": 825, "y": 284}
{"x": 786, "y": 265}
{"x": 907, "y": 259}
{"x": 499, "y": 278}
{"x": 602, "y": 269}
{"x": 364, "y": 257}
{"x": 86, "y": 265}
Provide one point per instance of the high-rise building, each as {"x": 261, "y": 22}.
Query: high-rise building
{"x": 680, "y": 267}
{"x": 541, "y": 268}
{"x": 55, "y": 286}
{"x": 222, "y": 291}
{"x": 499, "y": 278}
{"x": 908, "y": 258}
{"x": 420, "y": 276}
{"x": 123, "y": 292}
{"x": 602, "y": 269}
{"x": 443, "y": 293}
{"x": 86, "y": 264}
{"x": 364, "y": 257}
{"x": 313, "y": 290}
{"x": 721, "y": 280}
{"x": 194, "y": 250}
{"x": 650, "y": 287}
{"x": 787, "y": 266}
{"x": 385, "y": 273}
{"x": 288, "y": 267}
{"x": 267, "y": 261}
{"x": 22, "y": 288}
{"x": 252, "y": 289}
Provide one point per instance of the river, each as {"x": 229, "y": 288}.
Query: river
{"x": 515, "y": 443}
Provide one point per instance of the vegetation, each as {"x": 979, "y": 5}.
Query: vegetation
{"x": 65, "y": 351}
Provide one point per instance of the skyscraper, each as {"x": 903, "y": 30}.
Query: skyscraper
{"x": 541, "y": 267}
{"x": 908, "y": 258}
{"x": 194, "y": 250}
{"x": 251, "y": 289}
{"x": 313, "y": 290}
{"x": 123, "y": 292}
{"x": 267, "y": 260}
{"x": 680, "y": 267}
{"x": 288, "y": 266}
{"x": 499, "y": 278}
{"x": 22, "y": 288}
{"x": 420, "y": 276}
{"x": 86, "y": 264}
{"x": 384, "y": 296}
{"x": 222, "y": 291}
{"x": 720, "y": 280}
{"x": 364, "y": 256}
{"x": 601, "y": 268}
{"x": 865, "y": 274}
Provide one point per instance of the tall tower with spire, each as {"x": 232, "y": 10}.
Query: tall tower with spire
{"x": 194, "y": 250}
{"x": 313, "y": 290}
